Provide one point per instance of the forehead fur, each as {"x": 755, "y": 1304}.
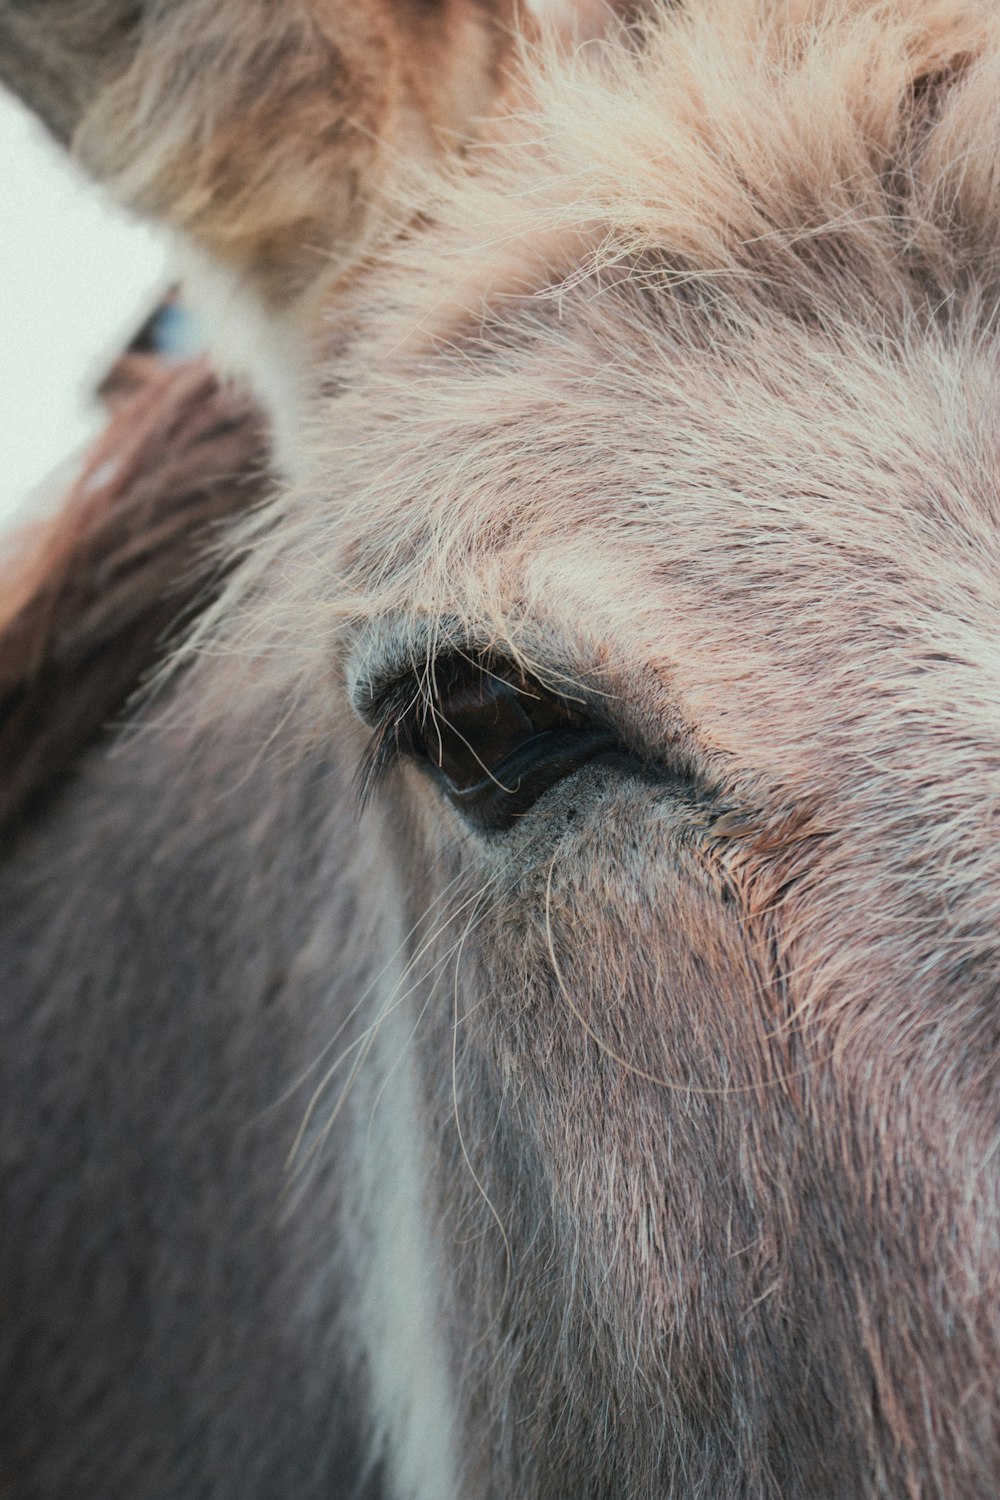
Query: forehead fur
{"x": 741, "y": 272}
{"x": 796, "y": 150}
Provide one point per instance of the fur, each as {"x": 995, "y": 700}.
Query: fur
{"x": 276, "y": 142}
{"x": 680, "y": 392}
{"x": 102, "y": 588}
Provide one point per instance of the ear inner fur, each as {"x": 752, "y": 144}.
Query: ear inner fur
{"x": 274, "y": 136}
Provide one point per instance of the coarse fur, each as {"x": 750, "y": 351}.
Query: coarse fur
{"x": 649, "y": 1146}
{"x": 103, "y": 587}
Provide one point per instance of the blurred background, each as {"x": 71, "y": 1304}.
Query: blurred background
{"x": 77, "y": 279}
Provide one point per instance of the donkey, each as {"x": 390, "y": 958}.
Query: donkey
{"x": 509, "y": 1010}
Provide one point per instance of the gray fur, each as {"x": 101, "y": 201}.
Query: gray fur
{"x": 684, "y": 401}
{"x": 174, "y": 1326}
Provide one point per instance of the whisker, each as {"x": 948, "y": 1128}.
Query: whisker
{"x": 311, "y": 1067}
{"x": 367, "y": 1038}
{"x": 414, "y": 959}
{"x": 508, "y": 1259}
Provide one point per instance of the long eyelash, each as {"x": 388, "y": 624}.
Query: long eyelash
{"x": 379, "y": 756}
{"x": 397, "y": 710}
{"x": 408, "y": 703}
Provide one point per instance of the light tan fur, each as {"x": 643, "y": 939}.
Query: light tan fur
{"x": 679, "y": 393}
{"x": 689, "y": 395}
{"x": 273, "y": 136}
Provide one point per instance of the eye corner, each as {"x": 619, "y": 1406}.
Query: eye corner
{"x": 373, "y": 696}
{"x": 490, "y": 735}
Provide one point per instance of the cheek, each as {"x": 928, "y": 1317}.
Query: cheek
{"x": 623, "y": 940}
{"x": 612, "y": 1006}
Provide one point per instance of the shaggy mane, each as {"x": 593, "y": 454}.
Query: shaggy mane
{"x": 95, "y": 597}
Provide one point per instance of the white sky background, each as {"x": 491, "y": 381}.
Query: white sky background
{"x": 76, "y": 280}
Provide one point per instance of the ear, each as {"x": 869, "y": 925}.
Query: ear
{"x": 270, "y": 131}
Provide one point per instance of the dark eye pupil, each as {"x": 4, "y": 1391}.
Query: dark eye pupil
{"x": 478, "y": 721}
{"x": 475, "y": 729}
{"x": 496, "y": 740}
{"x": 493, "y": 739}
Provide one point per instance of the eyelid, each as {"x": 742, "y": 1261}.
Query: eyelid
{"x": 408, "y": 699}
{"x": 374, "y": 696}
{"x": 575, "y": 733}
{"x": 374, "y": 700}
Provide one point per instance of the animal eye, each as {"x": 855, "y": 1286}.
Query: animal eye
{"x": 494, "y": 739}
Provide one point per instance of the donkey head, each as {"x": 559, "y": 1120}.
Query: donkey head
{"x": 642, "y": 554}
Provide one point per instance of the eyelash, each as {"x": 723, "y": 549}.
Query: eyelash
{"x": 384, "y": 749}
{"x": 492, "y": 739}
